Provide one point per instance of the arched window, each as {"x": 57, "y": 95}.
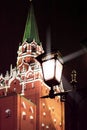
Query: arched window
{"x": 33, "y": 47}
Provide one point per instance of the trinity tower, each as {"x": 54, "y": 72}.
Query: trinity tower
{"x": 21, "y": 107}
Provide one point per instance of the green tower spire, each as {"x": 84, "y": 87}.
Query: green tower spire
{"x": 31, "y": 30}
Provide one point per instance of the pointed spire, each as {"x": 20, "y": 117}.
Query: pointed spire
{"x": 31, "y": 31}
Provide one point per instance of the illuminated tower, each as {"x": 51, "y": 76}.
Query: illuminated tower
{"x": 26, "y": 81}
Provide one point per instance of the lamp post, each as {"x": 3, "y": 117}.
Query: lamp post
{"x": 52, "y": 66}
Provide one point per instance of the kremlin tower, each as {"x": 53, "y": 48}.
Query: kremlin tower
{"x": 21, "y": 107}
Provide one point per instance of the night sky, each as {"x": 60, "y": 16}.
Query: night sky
{"x": 68, "y": 25}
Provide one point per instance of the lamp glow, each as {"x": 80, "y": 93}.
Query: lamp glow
{"x": 48, "y": 69}
{"x": 52, "y": 66}
{"x": 59, "y": 68}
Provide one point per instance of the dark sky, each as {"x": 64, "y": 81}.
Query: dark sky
{"x": 68, "y": 23}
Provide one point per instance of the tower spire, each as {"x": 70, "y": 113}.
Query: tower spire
{"x": 31, "y": 30}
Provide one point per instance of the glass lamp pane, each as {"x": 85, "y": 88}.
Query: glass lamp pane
{"x": 58, "y": 70}
{"x": 48, "y": 69}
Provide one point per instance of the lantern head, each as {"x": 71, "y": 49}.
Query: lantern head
{"x": 52, "y": 65}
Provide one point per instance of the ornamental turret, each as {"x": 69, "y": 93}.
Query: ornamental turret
{"x": 27, "y": 66}
{"x": 31, "y": 46}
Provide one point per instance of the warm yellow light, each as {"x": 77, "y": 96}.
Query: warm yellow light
{"x": 48, "y": 68}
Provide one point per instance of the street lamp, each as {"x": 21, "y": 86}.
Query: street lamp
{"x": 52, "y": 65}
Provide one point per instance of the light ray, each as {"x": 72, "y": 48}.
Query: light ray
{"x": 74, "y": 55}
{"x": 48, "y": 41}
